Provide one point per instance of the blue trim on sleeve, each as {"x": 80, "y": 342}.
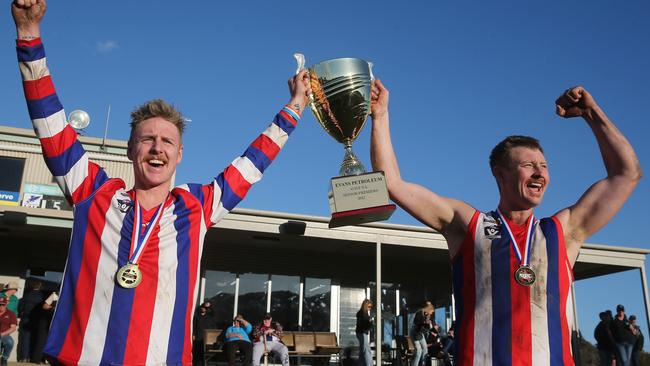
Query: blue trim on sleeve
{"x": 61, "y": 165}
{"x": 27, "y": 54}
{"x": 44, "y": 107}
{"x": 285, "y": 125}
{"x": 258, "y": 158}
{"x": 292, "y": 113}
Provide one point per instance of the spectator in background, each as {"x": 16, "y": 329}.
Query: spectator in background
{"x": 42, "y": 326}
{"x": 448, "y": 344}
{"x": 8, "y": 324}
{"x": 267, "y": 337}
{"x": 362, "y": 330}
{"x": 421, "y": 325}
{"x": 237, "y": 338}
{"x": 203, "y": 320}
{"x": 434, "y": 340}
{"x": 623, "y": 337}
{"x": 604, "y": 338}
{"x": 29, "y": 310}
{"x": 638, "y": 344}
{"x": 9, "y": 292}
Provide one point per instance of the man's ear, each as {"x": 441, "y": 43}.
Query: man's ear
{"x": 180, "y": 154}
{"x": 129, "y": 146}
{"x": 497, "y": 172}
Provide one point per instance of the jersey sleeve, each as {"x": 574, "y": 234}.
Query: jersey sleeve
{"x": 231, "y": 186}
{"x": 64, "y": 155}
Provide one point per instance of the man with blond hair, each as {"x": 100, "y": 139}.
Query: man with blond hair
{"x": 132, "y": 273}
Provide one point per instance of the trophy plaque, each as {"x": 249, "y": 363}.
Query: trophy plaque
{"x": 340, "y": 102}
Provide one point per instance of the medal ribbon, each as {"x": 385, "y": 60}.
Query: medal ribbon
{"x": 137, "y": 237}
{"x": 525, "y": 261}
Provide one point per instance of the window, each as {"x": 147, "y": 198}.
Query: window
{"x": 252, "y": 296}
{"x": 220, "y": 291}
{"x": 388, "y": 311}
{"x": 285, "y": 293}
{"x": 12, "y": 173}
{"x": 11, "y": 179}
{"x": 316, "y": 308}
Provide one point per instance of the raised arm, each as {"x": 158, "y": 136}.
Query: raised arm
{"x": 64, "y": 155}
{"x": 448, "y": 216}
{"x": 231, "y": 186}
{"x": 605, "y": 197}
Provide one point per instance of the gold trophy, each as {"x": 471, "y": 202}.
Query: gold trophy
{"x": 340, "y": 102}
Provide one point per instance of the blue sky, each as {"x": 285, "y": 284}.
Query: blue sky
{"x": 462, "y": 76}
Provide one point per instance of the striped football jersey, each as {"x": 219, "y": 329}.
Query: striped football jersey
{"x": 97, "y": 321}
{"x": 500, "y": 321}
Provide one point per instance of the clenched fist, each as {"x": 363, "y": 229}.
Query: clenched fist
{"x": 575, "y": 102}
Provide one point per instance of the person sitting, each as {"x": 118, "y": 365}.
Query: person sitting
{"x": 8, "y": 324}
{"x": 267, "y": 338}
{"x": 237, "y": 339}
{"x": 447, "y": 346}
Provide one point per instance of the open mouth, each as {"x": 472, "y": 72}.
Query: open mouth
{"x": 156, "y": 163}
{"x": 535, "y": 186}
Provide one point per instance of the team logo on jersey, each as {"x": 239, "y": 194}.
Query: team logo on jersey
{"x": 123, "y": 205}
{"x": 491, "y": 228}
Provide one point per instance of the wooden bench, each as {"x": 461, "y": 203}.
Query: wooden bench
{"x": 289, "y": 341}
{"x": 299, "y": 344}
{"x": 210, "y": 350}
{"x": 313, "y": 344}
{"x": 326, "y": 343}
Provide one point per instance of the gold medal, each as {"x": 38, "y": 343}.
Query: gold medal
{"x": 525, "y": 276}
{"x": 128, "y": 276}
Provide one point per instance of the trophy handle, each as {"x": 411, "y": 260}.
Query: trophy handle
{"x": 370, "y": 65}
{"x": 300, "y": 59}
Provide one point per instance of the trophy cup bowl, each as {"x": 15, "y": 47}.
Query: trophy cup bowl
{"x": 340, "y": 101}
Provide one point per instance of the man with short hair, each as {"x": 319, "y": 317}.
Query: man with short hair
{"x": 512, "y": 272}
{"x": 132, "y": 274}
{"x": 624, "y": 339}
{"x": 8, "y": 324}
{"x": 604, "y": 339}
{"x": 29, "y": 312}
{"x": 205, "y": 319}
{"x": 267, "y": 338}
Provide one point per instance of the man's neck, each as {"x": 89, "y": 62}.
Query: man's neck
{"x": 518, "y": 217}
{"x": 152, "y": 197}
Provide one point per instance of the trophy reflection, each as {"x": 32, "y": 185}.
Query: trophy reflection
{"x": 340, "y": 102}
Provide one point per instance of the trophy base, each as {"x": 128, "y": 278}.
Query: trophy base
{"x": 361, "y": 215}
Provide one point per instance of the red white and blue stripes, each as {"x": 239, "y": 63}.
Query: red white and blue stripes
{"x": 96, "y": 320}
{"x": 64, "y": 155}
{"x": 500, "y": 322}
